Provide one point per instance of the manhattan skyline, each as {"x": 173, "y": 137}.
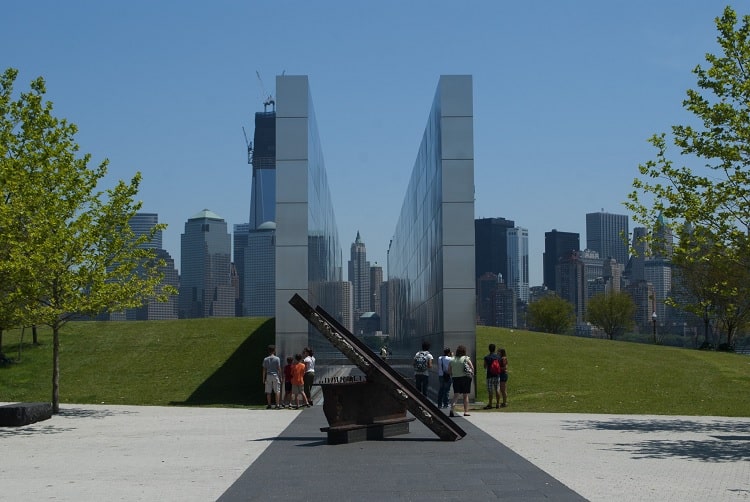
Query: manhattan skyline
{"x": 565, "y": 98}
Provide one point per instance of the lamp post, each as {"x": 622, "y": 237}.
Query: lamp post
{"x": 653, "y": 319}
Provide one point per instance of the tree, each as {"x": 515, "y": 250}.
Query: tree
{"x": 67, "y": 246}
{"x": 551, "y": 314}
{"x": 708, "y": 205}
{"x": 611, "y": 312}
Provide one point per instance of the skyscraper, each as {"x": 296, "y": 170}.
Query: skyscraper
{"x": 607, "y": 233}
{"x": 205, "y": 286}
{"x": 263, "y": 196}
{"x": 557, "y": 245}
{"x": 491, "y": 246}
{"x": 518, "y": 262}
{"x": 359, "y": 276}
{"x": 260, "y": 272}
{"x": 141, "y": 224}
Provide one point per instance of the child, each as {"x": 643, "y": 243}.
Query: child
{"x": 298, "y": 381}
{"x": 288, "y": 382}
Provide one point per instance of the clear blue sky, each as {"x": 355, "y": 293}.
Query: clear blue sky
{"x": 566, "y": 94}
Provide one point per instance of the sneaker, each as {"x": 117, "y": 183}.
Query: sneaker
{"x": 455, "y": 414}
{"x": 488, "y": 407}
{"x": 466, "y": 415}
{"x": 273, "y": 407}
{"x": 504, "y": 405}
{"x": 268, "y": 406}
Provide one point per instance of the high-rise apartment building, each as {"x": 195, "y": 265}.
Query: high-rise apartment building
{"x": 608, "y": 234}
{"x": 557, "y": 245}
{"x": 205, "y": 286}
{"x": 359, "y": 276}
{"x": 518, "y": 262}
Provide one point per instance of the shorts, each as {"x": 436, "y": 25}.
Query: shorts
{"x": 503, "y": 377}
{"x": 273, "y": 385}
{"x": 492, "y": 383}
{"x": 298, "y": 389}
{"x": 462, "y": 385}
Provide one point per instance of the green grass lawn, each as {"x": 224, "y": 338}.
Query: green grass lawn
{"x": 216, "y": 362}
{"x": 553, "y": 373}
{"x": 185, "y": 362}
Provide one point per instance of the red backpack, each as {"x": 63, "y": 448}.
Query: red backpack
{"x": 495, "y": 367}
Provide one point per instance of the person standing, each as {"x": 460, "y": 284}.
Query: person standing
{"x": 444, "y": 376}
{"x": 493, "y": 375}
{"x": 504, "y": 377}
{"x": 309, "y": 374}
{"x": 288, "y": 382}
{"x": 461, "y": 370}
{"x": 271, "y": 380}
{"x": 422, "y": 365}
{"x": 298, "y": 382}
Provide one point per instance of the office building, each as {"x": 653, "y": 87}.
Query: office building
{"x": 376, "y": 282}
{"x": 571, "y": 283}
{"x": 259, "y": 292}
{"x": 359, "y": 276}
{"x": 205, "y": 286}
{"x": 431, "y": 270}
{"x": 491, "y": 245}
{"x": 263, "y": 160}
{"x": 557, "y": 245}
{"x": 141, "y": 224}
{"x": 518, "y": 262}
{"x": 607, "y": 234}
{"x": 634, "y": 271}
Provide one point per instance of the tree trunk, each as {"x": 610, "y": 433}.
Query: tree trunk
{"x": 1, "y": 339}
{"x": 34, "y": 338}
{"x": 55, "y": 370}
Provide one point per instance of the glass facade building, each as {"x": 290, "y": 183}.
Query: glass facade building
{"x": 263, "y": 195}
{"x": 607, "y": 233}
{"x": 431, "y": 257}
{"x": 308, "y": 251}
{"x": 205, "y": 286}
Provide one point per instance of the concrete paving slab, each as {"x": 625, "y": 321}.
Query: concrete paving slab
{"x": 104, "y": 452}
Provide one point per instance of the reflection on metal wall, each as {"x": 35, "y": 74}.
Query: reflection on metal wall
{"x": 431, "y": 257}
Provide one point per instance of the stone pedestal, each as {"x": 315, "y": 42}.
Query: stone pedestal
{"x": 14, "y": 415}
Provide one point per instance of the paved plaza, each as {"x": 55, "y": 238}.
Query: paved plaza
{"x": 107, "y": 452}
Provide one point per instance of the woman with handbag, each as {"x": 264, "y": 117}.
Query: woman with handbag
{"x": 461, "y": 370}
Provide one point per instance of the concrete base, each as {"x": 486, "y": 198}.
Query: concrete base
{"x": 14, "y": 415}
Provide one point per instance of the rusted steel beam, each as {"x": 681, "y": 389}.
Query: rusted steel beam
{"x": 378, "y": 371}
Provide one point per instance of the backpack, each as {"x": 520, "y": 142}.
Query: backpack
{"x": 467, "y": 368}
{"x": 495, "y": 369}
{"x": 420, "y": 361}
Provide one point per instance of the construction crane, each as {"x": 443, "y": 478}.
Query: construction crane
{"x": 249, "y": 147}
{"x": 268, "y": 101}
